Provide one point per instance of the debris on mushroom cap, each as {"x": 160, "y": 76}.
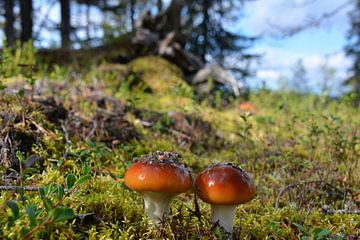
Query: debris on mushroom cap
{"x": 162, "y": 157}
{"x": 158, "y": 172}
{"x": 224, "y": 184}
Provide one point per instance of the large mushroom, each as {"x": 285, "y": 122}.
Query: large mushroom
{"x": 158, "y": 177}
{"x": 224, "y": 186}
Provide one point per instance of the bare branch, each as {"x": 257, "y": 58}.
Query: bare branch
{"x": 312, "y": 22}
{"x": 13, "y": 188}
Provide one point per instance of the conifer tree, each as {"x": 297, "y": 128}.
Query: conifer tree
{"x": 353, "y": 50}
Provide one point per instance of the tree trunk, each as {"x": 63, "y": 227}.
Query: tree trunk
{"x": 88, "y": 37}
{"x": 159, "y": 5}
{"x": 65, "y": 27}
{"x": 357, "y": 91}
{"x": 132, "y": 14}
{"x": 9, "y": 24}
{"x": 26, "y": 9}
{"x": 174, "y": 16}
{"x": 205, "y": 29}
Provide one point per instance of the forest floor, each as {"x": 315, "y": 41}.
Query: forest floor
{"x": 69, "y": 138}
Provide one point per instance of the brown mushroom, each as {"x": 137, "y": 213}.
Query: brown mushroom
{"x": 158, "y": 177}
{"x": 224, "y": 186}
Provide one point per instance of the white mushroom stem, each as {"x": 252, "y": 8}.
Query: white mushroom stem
{"x": 223, "y": 215}
{"x": 157, "y": 206}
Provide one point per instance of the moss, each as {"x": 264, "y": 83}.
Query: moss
{"x": 289, "y": 139}
{"x": 160, "y": 75}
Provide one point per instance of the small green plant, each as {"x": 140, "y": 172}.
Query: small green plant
{"x": 4, "y": 58}
{"x": 2, "y": 85}
{"x": 27, "y": 63}
{"x": 49, "y": 210}
{"x": 23, "y": 172}
{"x": 5, "y": 63}
{"x": 133, "y": 101}
{"x": 316, "y": 233}
{"x": 163, "y": 124}
{"x": 245, "y": 131}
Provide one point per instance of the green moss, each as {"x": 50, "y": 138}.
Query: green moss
{"x": 288, "y": 140}
{"x": 160, "y": 75}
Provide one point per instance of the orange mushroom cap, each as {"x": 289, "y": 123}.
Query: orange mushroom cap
{"x": 224, "y": 184}
{"x": 158, "y": 172}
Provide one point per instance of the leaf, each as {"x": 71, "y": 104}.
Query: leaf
{"x": 28, "y": 171}
{"x": 30, "y": 210}
{"x": 2, "y": 86}
{"x": 322, "y": 233}
{"x": 61, "y": 214}
{"x": 20, "y": 156}
{"x": 59, "y": 163}
{"x": 86, "y": 169}
{"x": 83, "y": 179}
{"x": 14, "y": 207}
{"x": 25, "y": 230}
{"x": 52, "y": 188}
{"x": 21, "y": 192}
{"x": 21, "y": 93}
{"x": 42, "y": 192}
{"x": 60, "y": 192}
{"x": 301, "y": 227}
{"x": 48, "y": 203}
{"x": 70, "y": 180}
{"x": 11, "y": 221}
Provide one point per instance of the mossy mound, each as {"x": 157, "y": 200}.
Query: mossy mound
{"x": 159, "y": 74}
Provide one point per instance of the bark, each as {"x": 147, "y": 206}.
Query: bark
{"x": 132, "y": 14}
{"x": 9, "y": 22}
{"x": 173, "y": 16}
{"x": 65, "y": 27}
{"x": 26, "y": 14}
{"x": 205, "y": 29}
{"x": 159, "y": 5}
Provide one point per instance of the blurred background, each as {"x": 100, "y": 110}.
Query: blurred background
{"x": 306, "y": 46}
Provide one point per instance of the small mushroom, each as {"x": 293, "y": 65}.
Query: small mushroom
{"x": 158, "y": 177}
{"x": 224, "y": 186}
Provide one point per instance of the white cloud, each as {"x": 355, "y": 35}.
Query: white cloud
{"x": 278, "y": 63}
{"x": 316, "y": 47}
{"x": 268, "y": 74}
{"x": 262, "y": 15}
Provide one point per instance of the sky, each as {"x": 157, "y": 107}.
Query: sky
{"x": 316, "y": 46}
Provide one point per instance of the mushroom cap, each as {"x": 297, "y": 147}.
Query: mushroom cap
{"x": 224, "y": 184}
{"x": 158, "y": 172}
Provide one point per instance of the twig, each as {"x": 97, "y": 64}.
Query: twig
{"x": 47, "y": 222}
{"x": 92, "y": 131}
{"x": 25, "y": 188}
{"x": 291, "y": 31}
{"x": 328, "y": 210}
{"x": 44, "y": 20}
{"x": 29, "y": 188}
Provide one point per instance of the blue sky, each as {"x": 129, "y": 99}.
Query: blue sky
{"x": 317, "y": 46}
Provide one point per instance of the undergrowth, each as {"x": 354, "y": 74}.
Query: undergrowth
{"x": 287, "y": 139}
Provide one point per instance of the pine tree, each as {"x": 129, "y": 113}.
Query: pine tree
{"x": 26, "y": 14}
{"x": 210, "y": 36}
{"x": 9, "y": 22}
{"x": 299, "y": 79}
{"x": 65, "y": 26}
{"x": 353, "y": 50}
